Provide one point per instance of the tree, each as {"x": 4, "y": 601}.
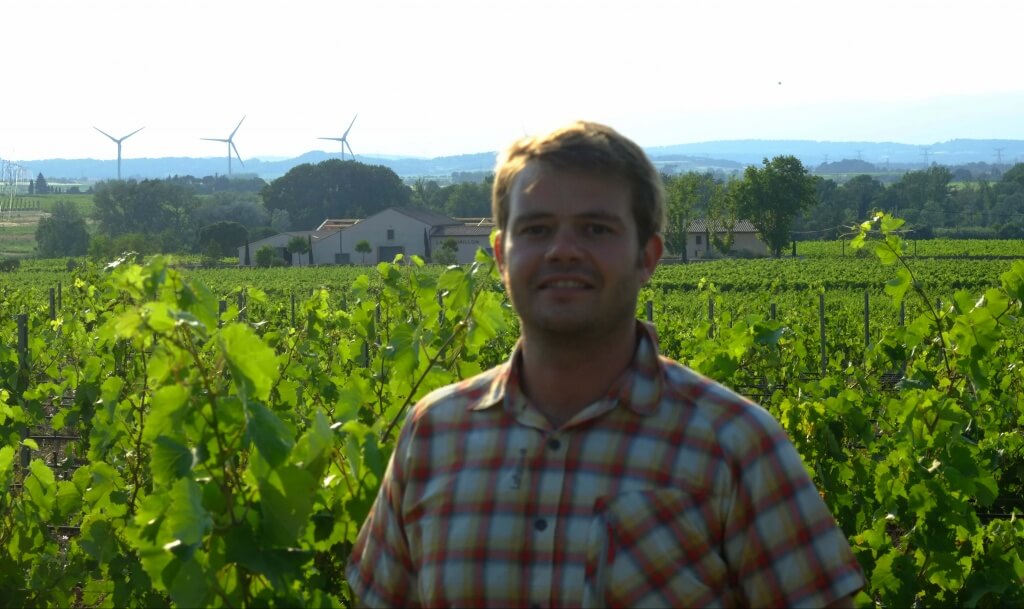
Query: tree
{"x": 334, "y": 189}
{"x": 1015, "y": 174}
{"x": 62, "y": 233}
{"x": 680, "y": 201}
{"x": 244, "y": 208}
{"x": 469, "y": 199}
{"x": 42, "y": 187}
{"x": 266, "y": 256}
{"x": 363, "y": 247}
{"x": 105, "y": 248}
{"x": 689, "y": 196}
{"x": 149, "y": 207}
{"x": 427, "y": 194}
{"x": 280, "y": 221}
{"x": 226, "y": 237}
{"x": 773, "y": 195}
{"x": 447, "y": 253}
{"x": 298, "y": 245}
{"x": 863, "y": 193}
{"x": 917, "y": 188}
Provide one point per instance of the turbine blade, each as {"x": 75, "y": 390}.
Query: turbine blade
{"x": 236, "y": 154}
{"x": 350, "y": 124}
{"x": 213, "y": 139}
{"x": 333, "y": 139}
{"x": 349, "y": 146}
{"x": 236, "y": 128}
{"x": 105, "y": 133}
{"x": 132, "y": 133}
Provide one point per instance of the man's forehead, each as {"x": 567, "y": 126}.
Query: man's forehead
{"x": 534, "y": 171}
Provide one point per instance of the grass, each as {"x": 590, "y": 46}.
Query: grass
{"x": 84, "y": 203}
{"x": 18, "y": 233}
{"x": 18, "y": 225}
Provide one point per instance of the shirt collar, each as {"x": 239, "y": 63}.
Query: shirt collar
{"x": 638, "y": 388}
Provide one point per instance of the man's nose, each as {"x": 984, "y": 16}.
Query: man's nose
{"x": 565, "y": 245}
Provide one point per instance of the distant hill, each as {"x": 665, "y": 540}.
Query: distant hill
{"x": 727, "y": 155}
{"x": 813, "y": 153}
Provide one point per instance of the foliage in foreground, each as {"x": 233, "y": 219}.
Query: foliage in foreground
{"x": 228, "y": 459}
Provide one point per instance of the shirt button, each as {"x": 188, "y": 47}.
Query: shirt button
{"x": 540, "y": 524}
{"x": 554, "y": 444}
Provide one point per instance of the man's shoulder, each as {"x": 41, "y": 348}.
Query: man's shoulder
{"x": 457, "y": 400}
{"x": 734, "y": 419}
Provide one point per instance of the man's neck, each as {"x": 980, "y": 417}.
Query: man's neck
{"x": 563, "y": 375}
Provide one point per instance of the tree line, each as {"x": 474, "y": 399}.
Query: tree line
{"x": 780, "y": 197}
{"x": 785, "y": 203}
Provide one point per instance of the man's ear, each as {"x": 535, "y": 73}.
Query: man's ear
{"x": 650, "y": 255}
{"x": 499, "y": 250}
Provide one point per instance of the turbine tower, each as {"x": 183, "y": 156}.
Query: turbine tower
{"x": 344, "y": 139}
{"x": 231, "y": 145}
{"x": 118, "y": 142}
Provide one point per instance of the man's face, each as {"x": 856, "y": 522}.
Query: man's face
{"x": 569, "y": 256}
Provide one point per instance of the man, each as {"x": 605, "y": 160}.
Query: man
{"x": 588, "y": 470}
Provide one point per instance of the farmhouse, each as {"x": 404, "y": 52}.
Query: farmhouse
{"x": 700, "y": 234}
{"x": 393, "y": 231}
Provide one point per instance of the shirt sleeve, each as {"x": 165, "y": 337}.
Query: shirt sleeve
{"x": 782, "y": 544}
{"x": 380, "y": 570}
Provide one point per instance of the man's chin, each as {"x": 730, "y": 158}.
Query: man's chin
{"x": 568, "y": 326}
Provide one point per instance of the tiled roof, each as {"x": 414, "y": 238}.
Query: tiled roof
{"x": 462, "y": 231}
{"x": 316, "y": 234}
{"x": 426, "y": 216}
{"x": 337, "y": 223}
{"x": 700, "y": 225}
{"x": 476, "y": 221}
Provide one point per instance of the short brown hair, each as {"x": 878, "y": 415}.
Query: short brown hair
{"x": 591, "y": 148}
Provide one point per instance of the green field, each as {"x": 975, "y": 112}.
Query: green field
{"x": 20, "y": 217}
{"x": 18, "y": 232}
{"x": 224, "y": 431}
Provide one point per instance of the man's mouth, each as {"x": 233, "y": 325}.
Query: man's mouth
{"x": 564, "y": 284}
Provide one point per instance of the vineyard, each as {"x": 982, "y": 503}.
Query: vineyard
{"x": 216, "y": 437}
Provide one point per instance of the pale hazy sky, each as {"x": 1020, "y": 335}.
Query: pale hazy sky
{"x": 440, "y": 77}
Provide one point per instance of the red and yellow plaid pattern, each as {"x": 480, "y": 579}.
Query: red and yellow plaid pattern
{"x": 672, "y": 491}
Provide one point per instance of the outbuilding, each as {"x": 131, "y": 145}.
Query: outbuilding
{"x": 395, "y": 230}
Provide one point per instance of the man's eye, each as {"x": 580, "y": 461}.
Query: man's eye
{"x": 598, "y": 229}
{"x": 534, "y": 230}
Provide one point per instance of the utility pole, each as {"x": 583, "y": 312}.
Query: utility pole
{"x": 999, "y": 156}
{"x": 924, "y": 151}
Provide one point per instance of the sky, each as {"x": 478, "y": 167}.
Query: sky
{"x": 452, "y": 77}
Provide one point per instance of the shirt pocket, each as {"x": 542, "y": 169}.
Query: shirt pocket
{"x": 655, "y": 548}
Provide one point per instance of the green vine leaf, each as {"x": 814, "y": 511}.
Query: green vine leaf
{"x": 253, "y": 364}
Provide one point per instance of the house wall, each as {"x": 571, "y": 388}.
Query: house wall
{"x": 280, "y": 243}
{"x": 408, "y": 235}
{"x": 467, "y": 246}
{"x": 324, "y": 250}
{"x": 697, "y": 245}
{"x": 749, "y": 242}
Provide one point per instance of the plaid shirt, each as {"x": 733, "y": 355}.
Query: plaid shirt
{"x": 671, "y": 491}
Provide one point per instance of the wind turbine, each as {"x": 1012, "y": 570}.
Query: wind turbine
{"x": 118, "y": 142}
{"x": 344, "y": 139}
{"x": 231, "y": 145}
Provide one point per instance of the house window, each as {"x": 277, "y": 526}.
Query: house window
{"x": 699, "y": 239}
{"x": 391, "y": 234}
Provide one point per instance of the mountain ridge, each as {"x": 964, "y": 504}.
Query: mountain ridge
{"x": 726, "y": 155}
